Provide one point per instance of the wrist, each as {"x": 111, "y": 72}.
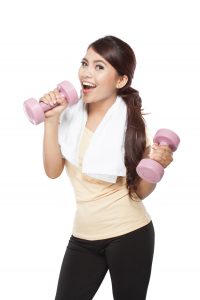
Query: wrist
{"x": 49, "y": 121}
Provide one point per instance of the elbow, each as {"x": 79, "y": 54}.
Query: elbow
{"x": 53, "y": 174}
{"x": 144, "y": 189}
{"x": 140, "y": 195}
{"x": 53, "y": 171}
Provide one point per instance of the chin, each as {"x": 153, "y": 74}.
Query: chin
{"x": 86, "y": 100}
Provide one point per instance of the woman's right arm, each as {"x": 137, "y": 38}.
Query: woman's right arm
{"x": 52, "y": 157}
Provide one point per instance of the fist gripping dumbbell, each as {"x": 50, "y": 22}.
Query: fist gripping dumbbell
{"x": 35, "y": 110}
{"x": 149, "y": 169}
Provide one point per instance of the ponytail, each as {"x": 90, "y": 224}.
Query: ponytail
{"x": 135, "y": 139}
{"x": 122, "y": 57}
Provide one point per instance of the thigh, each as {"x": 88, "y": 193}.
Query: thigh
{"x": 81, "y": 273}
{"x": 129, "y": 261}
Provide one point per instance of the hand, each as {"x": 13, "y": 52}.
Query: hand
{"x": 162, "y": 154}
{"x": 52, "y": 98}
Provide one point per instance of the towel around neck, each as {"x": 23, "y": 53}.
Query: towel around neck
{"x": 104, "y": 157}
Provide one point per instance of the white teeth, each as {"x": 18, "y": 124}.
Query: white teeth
{"x": 88, "y": 84}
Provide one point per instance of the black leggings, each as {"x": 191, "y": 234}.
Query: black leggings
{"x": 128, "y": 258}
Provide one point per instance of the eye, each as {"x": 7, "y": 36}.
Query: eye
{"x": 83, "y": 63}
{"x": 99, "y": 67}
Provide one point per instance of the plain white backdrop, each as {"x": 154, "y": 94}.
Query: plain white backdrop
{"x": 41, "y": 44}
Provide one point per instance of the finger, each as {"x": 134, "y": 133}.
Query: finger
{"x": 61, "y": 101}
{"x": 43, "y": 99}
{"x": 160, "y": 155}
{"x": 165, "y": 147}
{"x": 47, "y": 99}
{"x": 57, "y": 93}
{"x": 60, "y": 98}
{"x": 154, "y": 146}
{"x": 52, "y": 97}
{"x": 162, "y": 158}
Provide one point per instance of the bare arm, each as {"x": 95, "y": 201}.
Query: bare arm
{"x": 52, "y": 158}
{"x": 145, "y": 188}
{"x": 161, "y": 154}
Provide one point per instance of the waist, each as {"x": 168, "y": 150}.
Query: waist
{"x": 109, "y": 218}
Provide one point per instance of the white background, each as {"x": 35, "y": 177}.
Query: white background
{"x": 41, "y": 44}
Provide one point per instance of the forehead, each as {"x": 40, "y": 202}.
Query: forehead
{"x": 92, "y": 55}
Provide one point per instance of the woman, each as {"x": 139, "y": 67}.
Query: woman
{"x": 100, "y": 140}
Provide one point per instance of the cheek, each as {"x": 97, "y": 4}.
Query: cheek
{"x": 79, "y": 73}
{"x": 108, "y": 81}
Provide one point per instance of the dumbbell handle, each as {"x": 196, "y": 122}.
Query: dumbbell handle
{"x": 167, "y": 137}
{"x": 164, "y": 144}
{"x": 149, "y": 169}
{"x": 45, "y": 107}
{"x": 35, "y": 110}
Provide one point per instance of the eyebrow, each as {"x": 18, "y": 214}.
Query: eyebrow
{"x": 95, "y": 61}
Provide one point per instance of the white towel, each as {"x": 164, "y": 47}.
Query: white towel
{"x": 104, "y": 157}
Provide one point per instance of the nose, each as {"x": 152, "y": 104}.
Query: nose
{"x": 87, "y": 72}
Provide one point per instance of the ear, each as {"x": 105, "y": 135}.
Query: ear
{"x": 122, "y": 81}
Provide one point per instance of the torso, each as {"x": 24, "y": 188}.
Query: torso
{"x": 93, "y": 122}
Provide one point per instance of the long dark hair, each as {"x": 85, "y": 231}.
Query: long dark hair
{"x": 121, "y": 56}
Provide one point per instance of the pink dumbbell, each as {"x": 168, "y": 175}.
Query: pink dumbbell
{"x": 149, "y": 169}
{"x": 35, "y": 110}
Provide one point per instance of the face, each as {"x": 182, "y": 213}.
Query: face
{"x": 99, "y": 80}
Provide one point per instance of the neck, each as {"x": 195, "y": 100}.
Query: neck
{"x": 100, "y": 107}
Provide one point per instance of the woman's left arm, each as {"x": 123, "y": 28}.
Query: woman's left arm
{"x": 163, "y": 155}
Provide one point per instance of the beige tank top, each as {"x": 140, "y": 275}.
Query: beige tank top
{"x": 103, "y": 209}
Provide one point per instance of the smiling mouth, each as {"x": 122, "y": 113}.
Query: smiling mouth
{"x": 88, "y": 86}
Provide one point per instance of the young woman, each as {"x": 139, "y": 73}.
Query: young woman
{"x": 100, "y": 140}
